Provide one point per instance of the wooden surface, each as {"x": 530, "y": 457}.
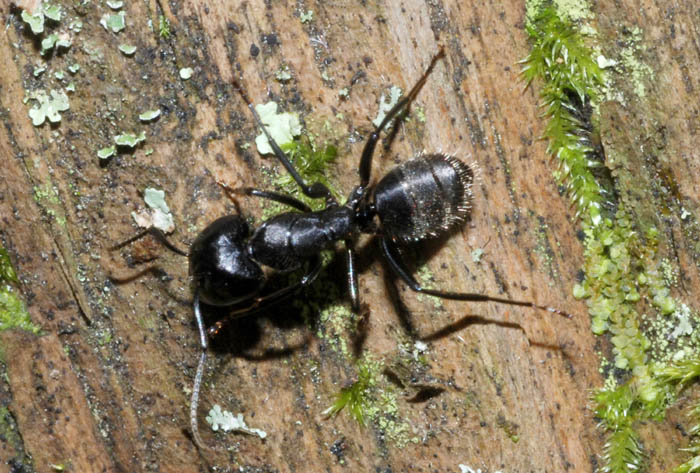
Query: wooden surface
{"x": 106, "y": 388}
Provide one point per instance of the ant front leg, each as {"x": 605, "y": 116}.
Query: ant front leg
{"x": 315, "y": 191}
{"x": 391, "y": 254}
{"x": 365, "y": 168}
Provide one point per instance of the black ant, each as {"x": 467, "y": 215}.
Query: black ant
{"x": 420, "y": 199}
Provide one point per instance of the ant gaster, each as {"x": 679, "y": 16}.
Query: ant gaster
{"x": 420, "y": 199}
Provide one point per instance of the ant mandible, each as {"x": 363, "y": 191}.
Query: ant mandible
{"x": 420, "y": 199}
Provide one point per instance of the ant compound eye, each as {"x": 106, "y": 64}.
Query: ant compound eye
{"x": 424, "y": 197}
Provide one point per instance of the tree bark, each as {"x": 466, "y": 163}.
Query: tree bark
{"x": 106, "y": 385}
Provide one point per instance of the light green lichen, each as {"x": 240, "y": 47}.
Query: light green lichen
{"x": 34, "y": 20}
{"x": 114, "y": 22}
{"x": 52, "y": 12}
{"x": 225, "y": 421}
{"x": 130, "y": 140}
{"x": 149, "y": 115}
{"x": 640, "y": 74}
{"x": 48, "y": 107}
{"x": 284, "y": 127}
{"x": 386, "y": 104}
{"x": 186, "y": 73}
{"x": 127, "y": 49}
{"x": 108, "y": 152}
{"x": 306, "y": 17}
{"x": 283, "y": 74}
{"x": 54, "y": 40}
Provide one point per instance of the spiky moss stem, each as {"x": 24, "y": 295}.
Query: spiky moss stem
{"x": 682, "y": 373}
{"x": 620, "y": 264}
{"x": 560, "y": 58}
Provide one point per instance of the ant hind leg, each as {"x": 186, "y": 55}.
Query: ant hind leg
{"x": 392, "y": 257}
{"x": 365, "y": 168}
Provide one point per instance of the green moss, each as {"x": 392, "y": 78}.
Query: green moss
{"x": 510, "y": 428}
{"x": 368, "y": 402}
{"x": 163, "y": 27}
{"x": 13, "y": 313}
{"x": 47, "y": 197}
{"x": 356, "y": 396}
{"x": 562, "y": 60}
{"x": 312, "y": 163}
{"x": 12, "y": 441}
{"x": 622, "y": 266}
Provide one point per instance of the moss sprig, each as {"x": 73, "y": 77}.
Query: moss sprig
{"x": 618, "y": 410}
{"x": 562, "y": 60}
{"x": 356, "y": 397}
{"x": 682, "y": 373}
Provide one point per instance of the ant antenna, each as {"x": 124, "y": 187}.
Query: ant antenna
{"x": 194, "y": 401}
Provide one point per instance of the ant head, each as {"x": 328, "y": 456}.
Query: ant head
{"x": 424, "y": 197}
{"x": 221, "y": 269}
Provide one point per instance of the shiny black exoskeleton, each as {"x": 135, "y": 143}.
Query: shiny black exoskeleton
{"x": 421, "y": 198}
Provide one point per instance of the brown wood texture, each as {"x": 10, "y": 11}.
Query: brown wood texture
{"x": 106, "y": 388}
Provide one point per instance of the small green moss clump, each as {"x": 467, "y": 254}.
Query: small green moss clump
{"x": 312, "y": 162}
{"x": 13, "y": 313}
{"x": 163, "y": 27}
{"x": 356, "y": 396}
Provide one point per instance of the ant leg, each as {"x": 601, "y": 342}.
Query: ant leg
{"x": 365, "y": 168}
{"x": 263, "y": 302}
{"x": 270, "y": 195}
{"x": 317, "y": 190}
{"x": 155, "y": 232}
{"x": 391, "y": 254}
{"x": 194, "y": 402}
{"x": 352, "y": 278}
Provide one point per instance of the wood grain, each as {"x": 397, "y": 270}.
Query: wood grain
{"x": 106, "y": 388}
